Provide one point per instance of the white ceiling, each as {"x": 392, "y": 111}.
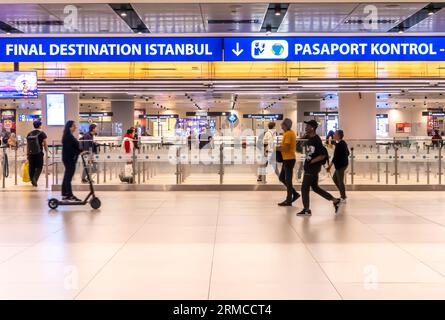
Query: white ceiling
{"x": 194, "y": 17}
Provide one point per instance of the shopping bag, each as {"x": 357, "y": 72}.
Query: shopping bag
{"x": 25, "y": 172}
{"x": 127, "y": 174}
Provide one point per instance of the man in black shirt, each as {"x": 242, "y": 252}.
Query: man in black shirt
{"x": 89, "y": 145}
{"x": 341, "y": 162}
{"x": 37, "y": 142}
{"x": 316, "y": 156}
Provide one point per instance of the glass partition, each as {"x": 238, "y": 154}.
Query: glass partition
{"x": 229, "y": 160}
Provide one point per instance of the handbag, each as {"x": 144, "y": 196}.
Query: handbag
{"x": 25, "y": 172}
{"x": 278, "y": 156}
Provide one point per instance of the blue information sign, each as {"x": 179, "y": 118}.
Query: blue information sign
{"x": 366, "y": 48}
{"x": 390, "y": 48}
{"x": 110, "y": 49}
{"x": 232, "y": 118}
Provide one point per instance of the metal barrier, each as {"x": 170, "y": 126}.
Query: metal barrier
{"x": 416, "y": 163}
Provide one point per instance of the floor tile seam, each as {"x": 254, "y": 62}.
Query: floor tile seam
{"x": 315, "y": 260}
{"x": 214, "y": 247}
{"x": 116, "y": 252}
{"x": 32, "y": 245}
{"x": 397, "y": 244}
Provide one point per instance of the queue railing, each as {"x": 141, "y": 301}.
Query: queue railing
{"x": 233, "y": 161}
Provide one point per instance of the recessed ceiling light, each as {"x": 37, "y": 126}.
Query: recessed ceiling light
{"x": 277, "y": 10}
{"x": 123, "y": 14}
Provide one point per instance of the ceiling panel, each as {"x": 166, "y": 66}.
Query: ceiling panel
{"x": 307, "y": 17}
{"x": 233, "y": 17}
{"x": 388, "y": 16}
{"x": 49, "y": 18}
{"x": 29, "y": 18}
{"x": 92, "y": 18}
{"x": 434, "y": 23}
{"x": 171, "y": 18}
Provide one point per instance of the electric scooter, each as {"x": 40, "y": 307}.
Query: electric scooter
{"x": 90, "y": 198}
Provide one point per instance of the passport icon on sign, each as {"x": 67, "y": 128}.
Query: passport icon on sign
{"x": 270, "y": 49}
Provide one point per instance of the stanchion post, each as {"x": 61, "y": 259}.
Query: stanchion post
{"x": 440, "y": 164}
{"x": 352, "y": 166}
{"x": 396, "y": 165}
{"x": 221, "y": 164}
{"x": 15, "y": 166}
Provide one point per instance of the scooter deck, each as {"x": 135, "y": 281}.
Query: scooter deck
{"x": 72, "y": 203}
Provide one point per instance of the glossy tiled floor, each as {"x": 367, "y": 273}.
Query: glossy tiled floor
{"x": 223, "y": 245}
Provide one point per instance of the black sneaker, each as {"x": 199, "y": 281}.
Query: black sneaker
{"x": 296, "y": 197}
{"x": 66, "y": 198}
{"x": 337, "y": 204}
{"x": 74, "y": 198}
{"x": 304, "y": 213}
{"x": 285, "y": 204}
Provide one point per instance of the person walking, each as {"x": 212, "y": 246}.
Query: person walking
{"x": 36, "y": 142}
{"x": 126, "y": 174}
{"x": 268, "y": 144}
{"x": 436, "y": 140}
{"x": 70, "y": 153}
{"x": 316, "y": 156}
{"x": 89, "y": 145}
{"x": 287, "y": 149}
{"x": 340, "y": 161}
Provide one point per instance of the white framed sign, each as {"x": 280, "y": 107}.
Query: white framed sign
{"x": 55, "y": 109}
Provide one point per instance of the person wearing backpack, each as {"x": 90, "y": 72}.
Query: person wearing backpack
{"x": 340, "y": 161}
{"x": 316, "y": 157}
{"x": 88, "y": 144}
{"x": 36, "y": 143}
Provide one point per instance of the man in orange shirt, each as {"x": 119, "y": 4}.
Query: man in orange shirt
{"x": 287, "y": 148}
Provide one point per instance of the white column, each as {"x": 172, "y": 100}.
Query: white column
{"x": 357, "y": 112}
{"x": 123, "y": 113}
{"x": 54, "y": 133}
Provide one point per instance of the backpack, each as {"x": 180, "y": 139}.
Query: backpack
{"x": 260, "y": 140}
{"x": 33, "y": 144}
{"x": 5, "y": 139}
{"x": 85, "y": 142}
{"x": 324, "y": 152}
{"x": 300, "y": 146}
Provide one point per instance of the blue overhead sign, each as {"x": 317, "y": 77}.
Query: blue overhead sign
{"x": 232, "y": 118}
{"x": 110, "y": 49}
{"x": 90, "y": 49}
{"x": 390, "y": 48}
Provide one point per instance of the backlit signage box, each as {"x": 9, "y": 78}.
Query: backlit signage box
{"x": 55, "y": 109}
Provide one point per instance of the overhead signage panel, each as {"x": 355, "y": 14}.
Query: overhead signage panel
{"x": 206, "y": 114}
{"x": 110, "y": 49}
{"x": 260, "y": 116}
{"x": 433, "y": 113}
{"x": 390, "y": 48}
{"x": 159, "y": 116}
{"x": 353, "y": 48}
{"x": 95, "y": 114}
{"x": 320, "y": 113}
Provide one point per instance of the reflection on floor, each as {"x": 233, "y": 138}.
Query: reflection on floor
{"x": 223, "y": 245}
